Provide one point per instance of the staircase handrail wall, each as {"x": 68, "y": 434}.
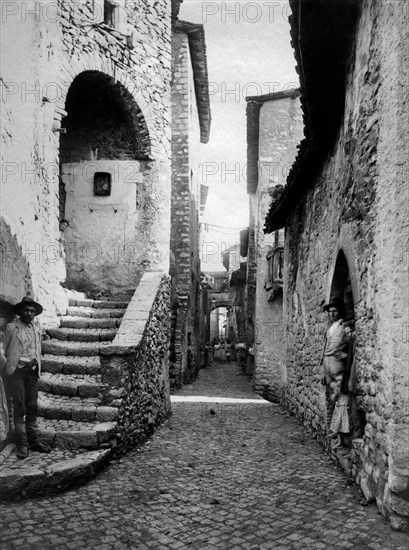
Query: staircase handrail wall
{"x": 135, "y": 365}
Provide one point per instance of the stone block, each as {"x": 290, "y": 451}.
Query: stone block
{"x": 106, "y": 414}
{"x": 65, "y": 387}
{"x": 55, "y": 412}
{"x": 52, "y": 365}
{"x": 54, "y": 348}
{"x": 398, "y": 483}
{"x": 400, "y": 504}
{"x": 105, "y": 431}
{"x": 75, "y": 322}
{"x": 86, "y": 389}
{"x": 63, "y": 473}
{"x": 59, "y": 334}
{"x": 16, "y": 481}
{"x": 45, "y": 385}
{"x": 82, "y": 349}
{"x": 84, "y": 303}
{"x": 84, "y": 439}
{"x": 47, "y": 436}
{"x": 83, "y": 414}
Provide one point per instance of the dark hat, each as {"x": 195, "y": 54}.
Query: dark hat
{"x": 335, "y": 302}
{"x": 27, "y": 300}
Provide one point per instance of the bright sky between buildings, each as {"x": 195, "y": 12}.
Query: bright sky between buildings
{"x": 248, "y": 53}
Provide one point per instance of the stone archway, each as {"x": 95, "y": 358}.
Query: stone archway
{"x": 103, "y": 121}
{"x": 105, "y": 170}
{"x": 344, "y": 287}
{"x": 218, "y": 323}
{"x": 89, "y": 63}
{"x": 345, "y": 245}
{"x": 341, "y": 284}
{"x": 220, "y": 303}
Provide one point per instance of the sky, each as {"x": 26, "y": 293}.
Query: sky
{"x": 248, "y": 53}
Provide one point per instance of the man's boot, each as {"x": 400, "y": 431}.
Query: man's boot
{"x": 21, "y": 441}
{"x": 37, "y": 445}
{"x": 22, "y": 451}
{"x": 34, "y": 441}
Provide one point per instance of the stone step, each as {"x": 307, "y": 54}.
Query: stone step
{"x": 95, "y": 313}
{"x": 98, "y": 304}
{"x": 41, "y": 474}
{"x": 71, "y": 385}
{"x": 79, "y": 349}
{"x": 89, "y": 322}
{"x": 64, "y": 364}
{"x": 83, "y": 334}
{"x": 74, "y": 408}
{"x": 68, "y": 434}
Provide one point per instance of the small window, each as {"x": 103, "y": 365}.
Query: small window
{"x": 109, "y": 13}
{"x": 274, "y": 283}
{"x": 270, "y": 270}
{"x": 278, "y": 264}
{"x": 275, "y": 267}
{"x": 102, "y": 184}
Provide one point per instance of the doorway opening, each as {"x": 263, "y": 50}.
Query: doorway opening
{"x": 104, "y": 168}
{"x": 344, "y": 391}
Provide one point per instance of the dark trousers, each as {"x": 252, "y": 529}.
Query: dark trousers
{"x": 22, "y": 385}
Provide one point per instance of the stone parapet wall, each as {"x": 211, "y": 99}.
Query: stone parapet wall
{"x": 359, "y": 204}
{"x": 135, "y": 365}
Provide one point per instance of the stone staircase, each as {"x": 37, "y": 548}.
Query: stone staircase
{"x": 72, "y": 416}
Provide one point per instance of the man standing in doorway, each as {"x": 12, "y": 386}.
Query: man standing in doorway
{"x": 23, "y": 367}
{"x": 333, "y": 359}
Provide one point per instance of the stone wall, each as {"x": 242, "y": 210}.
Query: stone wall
{"x": 137, "y": 57}
{"x": 15, "y": 278}
{"x": 100, "y": 261}
{"x": 359, "y": 204}
{"x": 280, "y": 131}
{"x": 135, "y": 365}
{"x": 185, "y": 340}
{"x": 29, "y": 182}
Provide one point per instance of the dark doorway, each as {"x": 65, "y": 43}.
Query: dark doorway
{"x": 341, "y": 285}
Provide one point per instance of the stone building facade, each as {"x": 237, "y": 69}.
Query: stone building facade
{"x": 88, "y": 106}
{"x": 190, "y": 128}
{"x": 86, "y": 208}
{"x": 345, "y": 213}
{"x": 274, "y": 129}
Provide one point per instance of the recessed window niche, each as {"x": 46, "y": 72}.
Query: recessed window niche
{"x": 102, "y": 184}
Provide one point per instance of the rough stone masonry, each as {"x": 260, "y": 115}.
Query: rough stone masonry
{"x": 353, "y": 204}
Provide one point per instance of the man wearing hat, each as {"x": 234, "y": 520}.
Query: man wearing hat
{"x": 333, "y": 359}
{"x": 23, "y": 367}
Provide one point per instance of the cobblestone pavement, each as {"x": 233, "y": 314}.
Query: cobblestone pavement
{"x": 227, "y": 471}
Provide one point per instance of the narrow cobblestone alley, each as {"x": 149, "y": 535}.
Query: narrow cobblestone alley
{"x": 227, "y": 471}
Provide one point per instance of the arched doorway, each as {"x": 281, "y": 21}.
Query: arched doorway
{"x": 219, "y": 329}
{"x": 342, "y": 290}
{"x": 341, "y": 285}
{"x": 105, "y": 166}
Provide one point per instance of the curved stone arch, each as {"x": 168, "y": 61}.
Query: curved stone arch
{"x": 105, "y": 66}
{"x": 222, "y": 303}
{"x": 345, "y": 245}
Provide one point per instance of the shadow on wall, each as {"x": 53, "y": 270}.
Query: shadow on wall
{"x": 15, "y": 278}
